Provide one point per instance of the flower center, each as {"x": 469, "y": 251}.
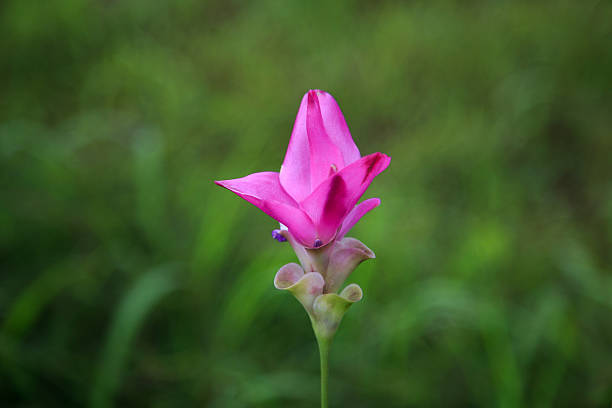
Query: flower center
{"x": 276, "y": 234}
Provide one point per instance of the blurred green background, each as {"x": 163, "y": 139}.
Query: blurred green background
{"x": 130, "y": 279}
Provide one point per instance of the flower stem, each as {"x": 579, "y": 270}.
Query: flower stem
{"x": 324, "y": 344}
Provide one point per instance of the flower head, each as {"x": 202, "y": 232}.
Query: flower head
{"x": 322, "y": 178}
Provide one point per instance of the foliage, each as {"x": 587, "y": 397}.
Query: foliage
{"x": 129, "y": 279}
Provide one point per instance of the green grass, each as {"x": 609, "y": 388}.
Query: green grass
{"x": 130, "y": 279}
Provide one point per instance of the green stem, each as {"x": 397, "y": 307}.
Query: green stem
{"x": 324, "y": 353}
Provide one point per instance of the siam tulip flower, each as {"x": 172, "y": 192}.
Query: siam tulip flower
{"x": 321, "y": 180}
{"x": 314, "y": 198}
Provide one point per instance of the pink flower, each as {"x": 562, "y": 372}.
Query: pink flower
{"x": 323, "y": 176}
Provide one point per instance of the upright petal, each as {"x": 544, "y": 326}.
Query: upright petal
{"x": 336, "y": 128}
{"x": 295, "y": 171}
{"x": 264, "y": 191}
{"x": 320, "y": 145}
{"x": 330, "y": 203}
{"x": 355, "y": 215}
{"x": 325, "y": 157}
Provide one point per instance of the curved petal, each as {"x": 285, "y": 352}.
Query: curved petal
{"x": 336, "y": 128}
{"x": 329, "y": 309}
{"x": 288, "y": 275}
{"x": 327, "y": 206}
{"x": 347, "y": 254}
{"x": 330, "y": 203}
{"x": 352, "y": 293}
{"x": 264, "y": 185}
{"x": 264, "y": 191}
{"x": 306, "y": 287}
{"x": 355, "y": 215}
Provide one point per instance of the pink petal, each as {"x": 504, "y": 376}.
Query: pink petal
{"x": 325, "y": 157}
{"x": 264, "y": 185}
{"x": 320, "y": 139}
{"x": 329, "y": 204}
{"x": 265, "y": 192}
{"x": 295, "y": 171}
{"x": 336, "y": 128}
{"x": 355, "y": 215}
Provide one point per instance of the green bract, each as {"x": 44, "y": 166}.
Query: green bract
{"x": 317, "y": 289}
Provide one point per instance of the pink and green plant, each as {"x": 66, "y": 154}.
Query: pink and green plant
{"x": 314, "y": 198}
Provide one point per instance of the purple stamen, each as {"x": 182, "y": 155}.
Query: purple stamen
{"x": 318, "y": 243}
{"x": 276, "y": 234}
